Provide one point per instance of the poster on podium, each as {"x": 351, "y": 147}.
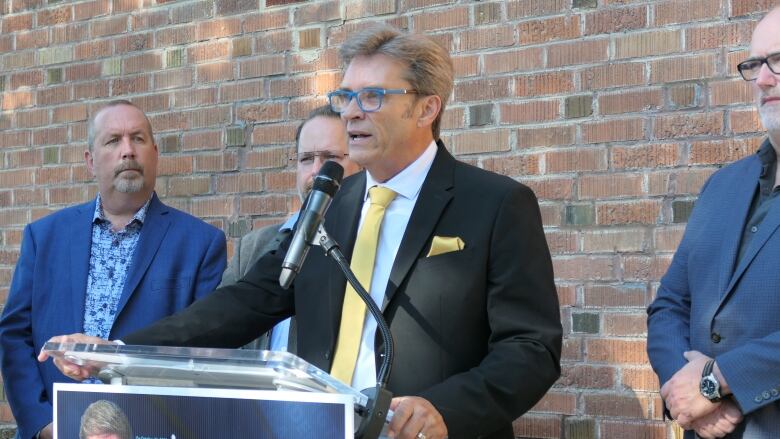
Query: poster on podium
{"x": 150, "y": 412}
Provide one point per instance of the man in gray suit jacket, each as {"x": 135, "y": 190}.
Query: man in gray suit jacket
{"x": 713, "y": 329}
{"x": 320, "y": 137}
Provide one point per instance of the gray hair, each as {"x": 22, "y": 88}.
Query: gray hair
{"x": 430, "y": 71}
{"x": 115, "y": 103}
{"x": 104, "y": 417}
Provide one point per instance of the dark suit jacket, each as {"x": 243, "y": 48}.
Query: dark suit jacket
{"x": 178, "y": 259}
{"x": 477, "y": 332}
{"x": 726, "y": 308}
{"x": 249, "y": 249}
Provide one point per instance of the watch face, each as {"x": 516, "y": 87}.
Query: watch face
{"x": 707, "y": 387}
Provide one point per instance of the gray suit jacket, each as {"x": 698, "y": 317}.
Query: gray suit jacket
{"x": 250, "y": 248}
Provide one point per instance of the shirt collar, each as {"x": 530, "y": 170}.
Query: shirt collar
{"x": 100, "y": 216}
{"x": 408, "y": 182}
{"x": 290, "y": 223}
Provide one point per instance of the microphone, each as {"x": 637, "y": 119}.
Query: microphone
{"x": 326, "y": 183}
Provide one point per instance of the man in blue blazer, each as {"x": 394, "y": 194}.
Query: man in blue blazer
{"x": 107, "y": 267}
{"x": 713, "y": 329}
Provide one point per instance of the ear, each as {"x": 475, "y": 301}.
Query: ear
{"x": 89, "y": 160}
{"x": 431, "y": 106}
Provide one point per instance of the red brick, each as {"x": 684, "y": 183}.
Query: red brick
{"x": 613, "y": 130}
{"x": 28, "y": 197}
{"x": 70, "y": 33}
{"x": 67, "y": 195}
{"x": 146, "y": 62}
{"x": 261, "y": 112}
{"x": 630, "y": 101}
{"x": 611, "y": 296}
{"x": 616, "y": 351}
{"x": 241, "y": 182}
{"x": 730, "y": 92}
{"x": 33, "y": 39}
{"x": 188, "y": 186}
{"x": 544, "y": 84}
{"x": 610, "y": 186}
{"x": 130, "y": 85}
{"x": 240, "y": 91}
{"x": 219, "y": 71}
{"x": 586, "y": 377}
{"x": 514, "y": 165}
{"x": 50, "y": 136}
{"x": 612, "y": 75}
{"x": 27, "y": 79}
{"x": 69, "y": 113}
{"x": 262, "y": 66}
{"x": 83, "y": 11}
{"x": 682, "y": 68}
{"x": 10, "y": 139}
{"x": 201, "y": 140}
{"x": 645, "y": 267}
{"x": 19, "y": 99}
{"x": 638, "y": 212}
{"x": 651, "y": 43}
{"x": 326, "y": 59}
{"x": 641, "y": 379}
{"x": 17, "y": 22}
{"x": 31, "y": 118}
{"x": 208, "y": 117}
{"x": 623, "y": 324}
{"x": 529, "y": 8}
{"x": 95, "y": 89}
{"x": 615, "y": 20}
{"x": 645, "y": 156}
{"x": 168, "y": 165}
{"x": 152, "y": 103}
{"x": 685, "y": 11}
{"x": 555, "y": 402}
{"x": 745, "y": 121}
{"x": 211, "y": 207}
{"x": 533, "y": 111}
{"x": 148, "y": 19}
{"x": 317, "y": 13}
{"x": 744, "y": 7}
{"x": 133, "y": 43}
{"x": 549, "y": 29}
{"x": 668, "y": 238}
{"x": 217, "y": 28}
{"x": 108, "y": 26}
{"x": 273, "y": 134}
{"x": 584, "y": 267}
{"x": 373, "y": 8}
{"x": 538, "y": 426}
{"x": 617, "y": 405}
{"x": 561, "y": 242}
{"x": 265, "y": 205}
{"x": 171, "y": 36}
{"x": 173, "y": 79}
{"x": 482, "y": 89}
{"x": 634, "y": 430}
{"x": 50, "y": 17}
{"x": 218, "y": 162}
{"x": 53, "y": 95}
{"x": 439, "y": 19}
{"x": 551, "y": 188}
{"x": 578, "y": 159}
{"x": 722, "y": 151}
{"x": 274, "y": 42}
{"x": 472, "y": 142}
{"x": 208, "y": 51}
{"x": 486, "y": 37}
{"x": 194, "y": 97}
{"x": 513, "y": 61}
{"x": 719, "y": 35}
{"x": 681, "y": 125}
{"x": 283, "y": 181}
{"x": 266, "y": 20}
{"x": 14, "y": 217}
{"x": 24, "y": 158}
{"x": 83, "y": 71}
{"x": 465, "y": 66}
{"x": 580, "y": 52}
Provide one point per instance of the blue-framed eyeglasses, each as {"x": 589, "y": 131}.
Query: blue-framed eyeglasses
{"x": 368, "y": 99}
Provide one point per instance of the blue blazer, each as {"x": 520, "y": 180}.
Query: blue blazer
{"x": 178, "y": 259}
{"x": 727, "y": 309}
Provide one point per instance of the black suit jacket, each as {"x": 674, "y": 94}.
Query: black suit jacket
{"x": 477, "y": 332}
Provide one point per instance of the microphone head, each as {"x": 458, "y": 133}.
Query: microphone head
{"x": 329, "y": 178}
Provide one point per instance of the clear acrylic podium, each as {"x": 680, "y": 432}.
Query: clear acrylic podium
{"x": 163, "y": 367}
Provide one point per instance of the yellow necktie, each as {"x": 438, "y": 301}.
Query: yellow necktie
{"x": 354, "y": 310}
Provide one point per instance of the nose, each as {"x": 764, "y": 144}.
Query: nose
{"x": 127, "y": 149}
{"x": 352, "y": 110}
{"x": 765, "y": 77}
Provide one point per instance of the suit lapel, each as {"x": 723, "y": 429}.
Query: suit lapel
{"x": 765, "y": 231}
{"x": 434, "y": 197}
{"x": 80, "y": 236}
{"x": 742, "y": 192}
{"x": 153, "y": 232}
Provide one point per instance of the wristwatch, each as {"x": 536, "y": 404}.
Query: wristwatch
{"x": 709, "y": 385}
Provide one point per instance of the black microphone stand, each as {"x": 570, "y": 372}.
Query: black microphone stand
{"x": 375, "y": 413}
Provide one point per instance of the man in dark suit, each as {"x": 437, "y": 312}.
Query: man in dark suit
{"x": 320, "y": 137}
{"x": 106, "y": 268}
{"x": 462, "y": 270}
{"x": 713, "y": 329}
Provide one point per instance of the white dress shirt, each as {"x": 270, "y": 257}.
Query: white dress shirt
{"x": 407, "y": 185}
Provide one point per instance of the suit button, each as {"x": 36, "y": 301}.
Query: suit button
{"x": 327, "y": 355}
{"x": 774, "y": 393}
{"x": 715, "y": 337}
{"x": 765, "y": 394}
{"x": 758, "y": 399}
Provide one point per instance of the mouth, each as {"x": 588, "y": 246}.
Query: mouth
{"x": 770, "y": 100}
{"x": 357, "y": 136}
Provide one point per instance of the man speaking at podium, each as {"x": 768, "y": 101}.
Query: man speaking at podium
{"x": 460, "y": 266}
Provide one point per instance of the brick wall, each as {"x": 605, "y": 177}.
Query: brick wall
{"x": 613, "y": 111}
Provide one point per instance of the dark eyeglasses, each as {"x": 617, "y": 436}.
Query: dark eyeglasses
{"x": 368, "y": 99}
{"x": 750, "y": 68}
{"x": 307, "y": 158}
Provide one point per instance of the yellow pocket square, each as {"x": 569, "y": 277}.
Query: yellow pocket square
{"x": 445, "y": 244}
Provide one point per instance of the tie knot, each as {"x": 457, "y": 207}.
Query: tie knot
{"x": 381, "y": 195}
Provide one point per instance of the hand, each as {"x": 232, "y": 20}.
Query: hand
{"x": 70, "y": 369}
{"x": 720, "y": 422}
{"x": 681, "y": 393}
{"x": 415, "y": 415}
{"x": 46, "y": 432}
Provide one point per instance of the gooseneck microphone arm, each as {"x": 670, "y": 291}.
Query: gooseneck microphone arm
{"x": 379, "y": 397}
